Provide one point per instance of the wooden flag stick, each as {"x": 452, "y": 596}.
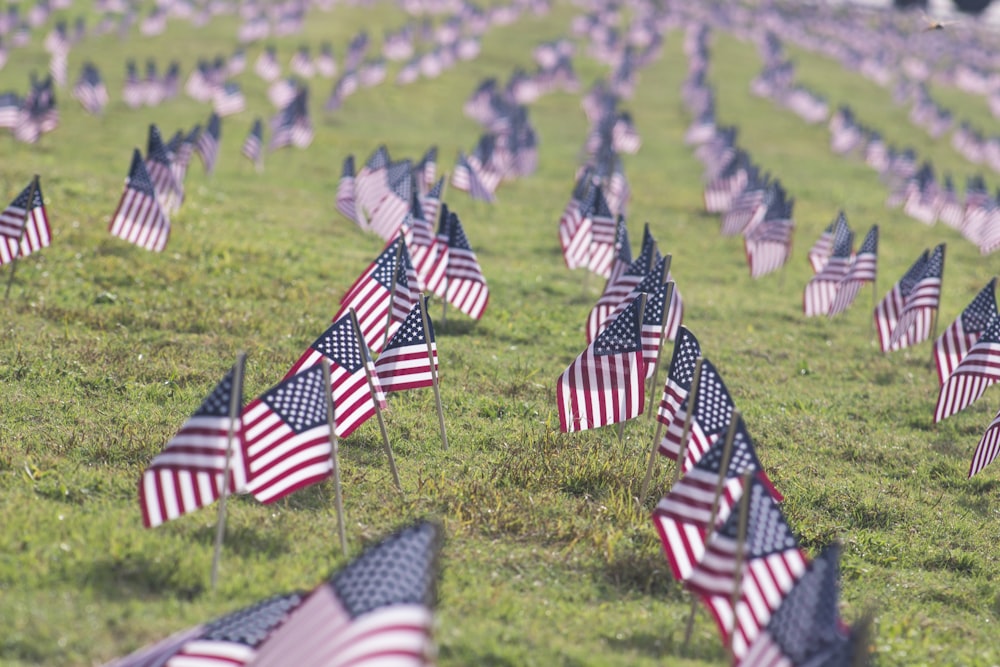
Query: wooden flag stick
{"x": 434, "y": 370}
{"x": 234, "y": 414}
{"x": 17, "y": 253}
{"x": 642, "y": 308}
{"x": 392, "y": 290}
{"x": 740, "y": 553}
{"x": 363, "y": 350}
{"x": 727, "y": 452}
{"x": 334, "y": 450}
{"x": 651, "y": 463}
{"x": 937, "y": 310}
{"x": 689, "y": 417}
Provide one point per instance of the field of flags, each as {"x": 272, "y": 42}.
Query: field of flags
{"x": 783, "y": 517}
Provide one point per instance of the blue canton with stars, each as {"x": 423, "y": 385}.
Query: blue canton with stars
{"x": 935, "y": 265}
{"x": 456, "y": 235}
{"x": 622, "y": 335}
{"x": 912, "y": 275}
{"x": 301, "y": 400}
{"x": 655, "y": 303}
{"x": 251, "y": 626}
{"x": 714, "y": 407}
{"x": 155, "y": 150}
{"x": 217, "y": 403}
{"x": 138, "y": 177}
{"x": 22, "y": 199}
{"x": 402, "y": 569}
{"x": 767, "y": 530}
{"x": 870, "y": 245}
{"x": 741, "y": 458}
{"x": 977, "y": 314}
{"x": 410, "y": 332}
{"x": 379, "y": 159}
{"x": 843, "y": 238}
{"x": 347, "y": 171}
{"x": 686, "y": 353}
{"x": 340, "y": 344}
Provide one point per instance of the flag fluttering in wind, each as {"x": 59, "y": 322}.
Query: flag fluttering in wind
{"x": 679, "y": 375}
{"x": 822, "y": 287}
{"x": 606, "y": 383}
{"x": 188, "y": 474}
{"x": 988, "y": 447}
{"x": 979, "y": 369}
{"x": 713, "y": 410}
{"x": 864, "y": 269}
{"x": 619, "y": 291}
{"x": 921, "y": 305}
{"x": 952, "y": 345}
{"x": 287, "y": 436}
{"x": 405, "y": 363}
{"x": 888, "y": 309}
{"x": 139, "y": 219}
{"x": 466, "y": 285}
{"x": 376, "y": 610}
{"x": 352, "y": 396}
{"x": 24, "y": 225}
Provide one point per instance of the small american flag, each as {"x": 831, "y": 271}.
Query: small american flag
{"x": 466, "y": 178}
{"x": 768, "y": 245}
{"x": 574, "y": 225}
{"x": 370, "y": 183}
{"x": 988, "y": 447}
{"x": 888, "y": 309}
{"x": 820, "y": 251}
{"x": 207, "y": 145}
{"x": 822, "y": 287}
{"x": 619, "y": 291}
{"x": 345, "y": 190}
{"x": 623, "y": 250}
{"x": 771, "y": 563}
{"x": 405, "y": 362}
{"x": 954, "y": 343}
{"x": 267, "y": 66}
{"x": 917, "y": 315}
{"x": 139, "y": 219}
{"x": 606, "y": 383}
{"x": 169, "y": 192}
{"x": 603, "y": 228}
{"x": 287, "y": 436}
{"x": 24, "y": 225}
{"x": 375, "y": 611}
{"x": 713, "y": 410}
{"x": 426, "y": 169}
{"x": 979, "y": 369}
{"x": 429, "y": 251}
{"x": 430, "y": 201}
{"x": 352, "y": 396}
{"x": 679, "y": 375}
{"x": 371, "y": 293}
{"x": 188, "y": 474}
{"x": 807, "y": 626}
{"x": 254, "y": 143}
{"x": 387, "y": 216}
{"x": 863, "y": 270}
{"x": 466, "y": 286}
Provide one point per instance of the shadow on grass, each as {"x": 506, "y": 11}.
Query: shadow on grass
{"x": 667, "y": 646}
{"x": 250, "y": 542}
{"x": 454, "y": 323}
{"x": 639, "y": 573}
{"x": 133, "y": 576}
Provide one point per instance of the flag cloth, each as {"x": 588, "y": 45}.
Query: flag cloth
{"x": 345, "y": 191}
{"x": 387, "y": 216}
{"x": 352, "y": 396}
{"x": 713, "y": 409}
{"x": 253, "y": 145}
{"x": 822, "y": 287}
{"x": 139, "y": 218}
{"x": 287, "y": 436}
{"x": 683, "y": 516}
{"x": 188, "y": 474}
{"x": 606, "y": 383}
{"x": 404, "y": 363}
{"x": 603, "y": 232}
{"x": 659, "y": 321}
{"x": 888, "y": 309}
{"x": 864, "y": 269}
{"x": 623, "y": 251}
{"x": 917, "y": 316}
{"x": 618, "y": 291}
{"x": 429, "y": 252}
{"x": 207, "y": 145}
{"x": 574, "y": 226}
{"x": 807, "y": 626}
{"x": 378, "y": 610}
{"x": 771, "y": 563}
{"x": 954, "y": 343}
{"x": 370, "y": 185}
{"x": 679, "y": 375}
{"x": 169, "y": 192}
{"x": 20, "y": 237}
{"x": 820, "y": 251}
{"x": 465, "y": 177}
{"x": 974, "y": 374}
{"x": 466, "y": 286}
{"x": 988, "y": 447}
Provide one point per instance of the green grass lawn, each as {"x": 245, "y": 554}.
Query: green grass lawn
{"x": 548, "y": 558}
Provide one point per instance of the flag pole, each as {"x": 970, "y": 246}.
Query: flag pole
{"x": 642, "y": 308}
{"x": 937, "y": 309}
{"x": 33, "y": 188}
{"x": 727, "y": 453}
{"x": 392, "y": 290}
{"x": 434, "y": 370}
{"x": 234, "y": 413}
{"x": 362, "y": 349}
{"x": 740, "y": 554}
{"x": 334, "y": 450}
{"x": 689, "y": 417}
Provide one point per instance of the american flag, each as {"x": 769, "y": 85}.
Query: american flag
{"x": 426, "y": 169}
{"x": 254, "y": 143}
{"x": 887, "y": 311}
{"x": 370, "y": 183}
{"x": 917, "y": 315}
{"x": 822, "y": 287}
{"x": 684, "y": 516}
{"x": 133, "y": 91}
{"x": 863, "y": 269}
{"x": 345, "y": 190}
{"x": 383, "y": 281}
{"x": 659, "y": 321}
{"x": 169, "y": 192}
{"x": 979, "y": 369}
{"x": 267, "y": 66}
{"x": 745, "y": 210}
{"x": 387, "y": 216}
{"x": 623, "y": 251}
{"x": 606, "y": 383}
{"x": 229, "y": 99}
{"x": 352, "y": 395}
{"x": 90, "y": 90}
{"x": 603, "y": 228}
{"x": 468, "y": 179}
{"x": 287, "y": 436}
{"x": 574, "y": 225}
{"x": 807, "y": 626}
{"x": 139, "y": 219}
{"x": 954, "y": 343}
{"x": 182, "y": 148}
{"x": 430, "y": 252}
{"x": 768, "y": 245}
{"x": 988, "y": 447}
{"x": 466, "y": 286}
{"x": 617, "y": 292}
{"x": 207, "y": 145}
{"x": 679, "y": 375}
{"x": 770, "y": 565}
{"x": 230, "y": 641}
{"x": 188, "y": 474}
{"x": 405, "y": 361}
{"x": 430, "y": 201}
{"x": 823, "y": 247}
{"x": 24, "y": 226}
{"x": 378, "y": 610}
{"x": 713, "y": 409}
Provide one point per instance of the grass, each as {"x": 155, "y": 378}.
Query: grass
{"x": 548, "y": 558}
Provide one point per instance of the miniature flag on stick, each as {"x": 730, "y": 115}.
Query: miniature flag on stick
{"x": 139, "y": 219}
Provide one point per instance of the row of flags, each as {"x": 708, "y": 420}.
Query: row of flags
{"x": 35, "y": 114}
{"x": 839, "y": 272}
